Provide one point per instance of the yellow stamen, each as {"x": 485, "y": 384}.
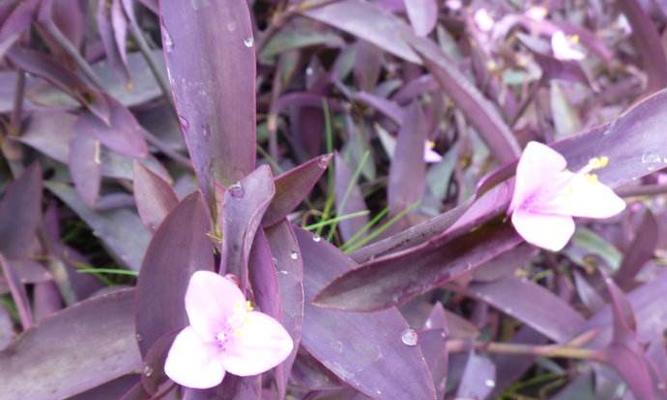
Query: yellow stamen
{"x": 574, "y": 39}
{"x": 592, "y": 178}
{"x": 598, "y": 162}
{"x": 248, "y": 306}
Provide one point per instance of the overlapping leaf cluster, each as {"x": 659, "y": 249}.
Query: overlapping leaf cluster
{"x": 284, "y": 141}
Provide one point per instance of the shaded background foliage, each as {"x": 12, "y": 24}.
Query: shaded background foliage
{"x": 284, "y": 142}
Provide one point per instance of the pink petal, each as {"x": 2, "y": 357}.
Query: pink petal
{"x": 210, "y": 302}
{"x": 259, "y": 345}
{"x": 551, "y": 232}
{"x": 538, "y": 167}
{"x": 585, "y": 196}
{"x": 193, "y": 363}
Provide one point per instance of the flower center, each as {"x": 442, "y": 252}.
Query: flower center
{"x": 234, "y": 325}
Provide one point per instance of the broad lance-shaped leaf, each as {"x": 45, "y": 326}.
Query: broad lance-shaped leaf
{"x": 283, "y": 243}
{"x": 85, "y": 166}
{"x": 180, "y": 247}
{"x": 20, "y": 213}
{"x": 76, "y": 349}
{"x": 243, "y": 206}
{"x": 509, "y": 295}
{"x": 155, "y": 198}
{"x": 293, "y": 186}
{"x": 210, "y": 56}
{"x": 120, "y": 229}
{"x": 364, "y": 350}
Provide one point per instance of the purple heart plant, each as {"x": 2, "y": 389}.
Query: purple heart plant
{"x": 333, "y": 199}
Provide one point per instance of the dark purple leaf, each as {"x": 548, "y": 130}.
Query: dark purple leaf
{"x": 114, "y": 389}
{"x": 46, "y": 300}
{"x": 640, "y": 251}
{"x": 122, "y": 134}
{"x": 384, "y": 106}
{"x": 154, "y": 197}
{"x": 120, "y": 229}
{"x": 17, "y": 22}
{"x": 211, "y": 62}
{"x": 48, "y": 68}
{"x": 180, "y": 247}
{"x": 398, "y": 277}
{"x": 20, "y": 213}
{"x": 243, "y": 206}
{"x": 283, "y": 244}
{"x": 407, "y": 174}
{"x": 352, "y": 203}
{"x": 6, "y": 328}
{"x": 368, "y": 61}
{"x": 94, "y": 343}
{"x": 68, "y": 15}
{"x": 527, "y": 301}
{"x": 85, "y": 165}
{"x": 364, "y": 350}
{"x": 293, "y": 186}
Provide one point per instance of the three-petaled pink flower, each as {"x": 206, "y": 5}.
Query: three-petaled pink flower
{"x": 547, "y": 196}
{"x": 224, "y": 335}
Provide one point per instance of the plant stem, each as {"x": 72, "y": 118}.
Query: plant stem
{"x": 556, "y": 351}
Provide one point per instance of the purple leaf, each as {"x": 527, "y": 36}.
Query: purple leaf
{"x": 384, "y": 106}
{"x": 108, "y": 26}
{"x": 120, "y": 230}
{"x": 17, "y": 22}
{"x": 122, "y": 134}
{"x": 85, "y": 166}
{"x": 293, "y": 186}
{"x": 179, "y": 247}
{"x": 354, "y": 202}
{"x": 368, "y": 60}
{"x": 640, "y": 251}
{"x": 154, "y": 197}
{"x": 423, "y": 15}
{"x": 97, "y": 333}
{"x": 283, "y": 243}
{"x": 399, "y": 277}
{"x": 526, "y": 301}
{"x": 407, "y": 174}
{"x": 6, "y": 328}
{"x": 211, "y": 62}
{"x": 352, "y": 16}
{"x": 242, "y": 209}
{"x": 48, "y": 68}
{"x": 20, "y": 213}
{"x": 114, "y": 389}
{"x": 46, "y": 300}
{"x": 364, "y": 350}
{"x": 479, "y": 378}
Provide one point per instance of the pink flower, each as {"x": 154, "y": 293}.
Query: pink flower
{"x": 225, "y": 335}
{"x": 547, "y": 196}
{"x": 566, "y": 47}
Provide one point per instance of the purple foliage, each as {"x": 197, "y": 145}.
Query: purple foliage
{"x": 283, "y": 143}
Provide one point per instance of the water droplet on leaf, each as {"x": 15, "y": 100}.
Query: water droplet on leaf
{"x": 490, "y": 383}
{"x": 294, "y": 255}
{"x": 185, "y": 124}
{"x": 236, "y": 190}
{"x": 316, "y": 238}
{"x": 167, "y": 40}
{"x": 148, "y": 370}
{"x": 248, "y": 42}
{"x": 409, "y": 337}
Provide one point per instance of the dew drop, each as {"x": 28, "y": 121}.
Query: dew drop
{"x": 309, "y": 71}
{"x": 167, "y": 40}
{"x": 409, "y": 337}
{"x": 148, "y": 370}
{"x": 231, "y": 26}
{"x": 316, "y": 239}
{"x": 139, "y": 337}
{"x": 249, "y": 42}
{"x": 490, "y": 383}
{"x": 236, "y": 190}
{"x": 323, "y": 162}
{"x": 283, "y": 272}
{"x": 294, "y": 255}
